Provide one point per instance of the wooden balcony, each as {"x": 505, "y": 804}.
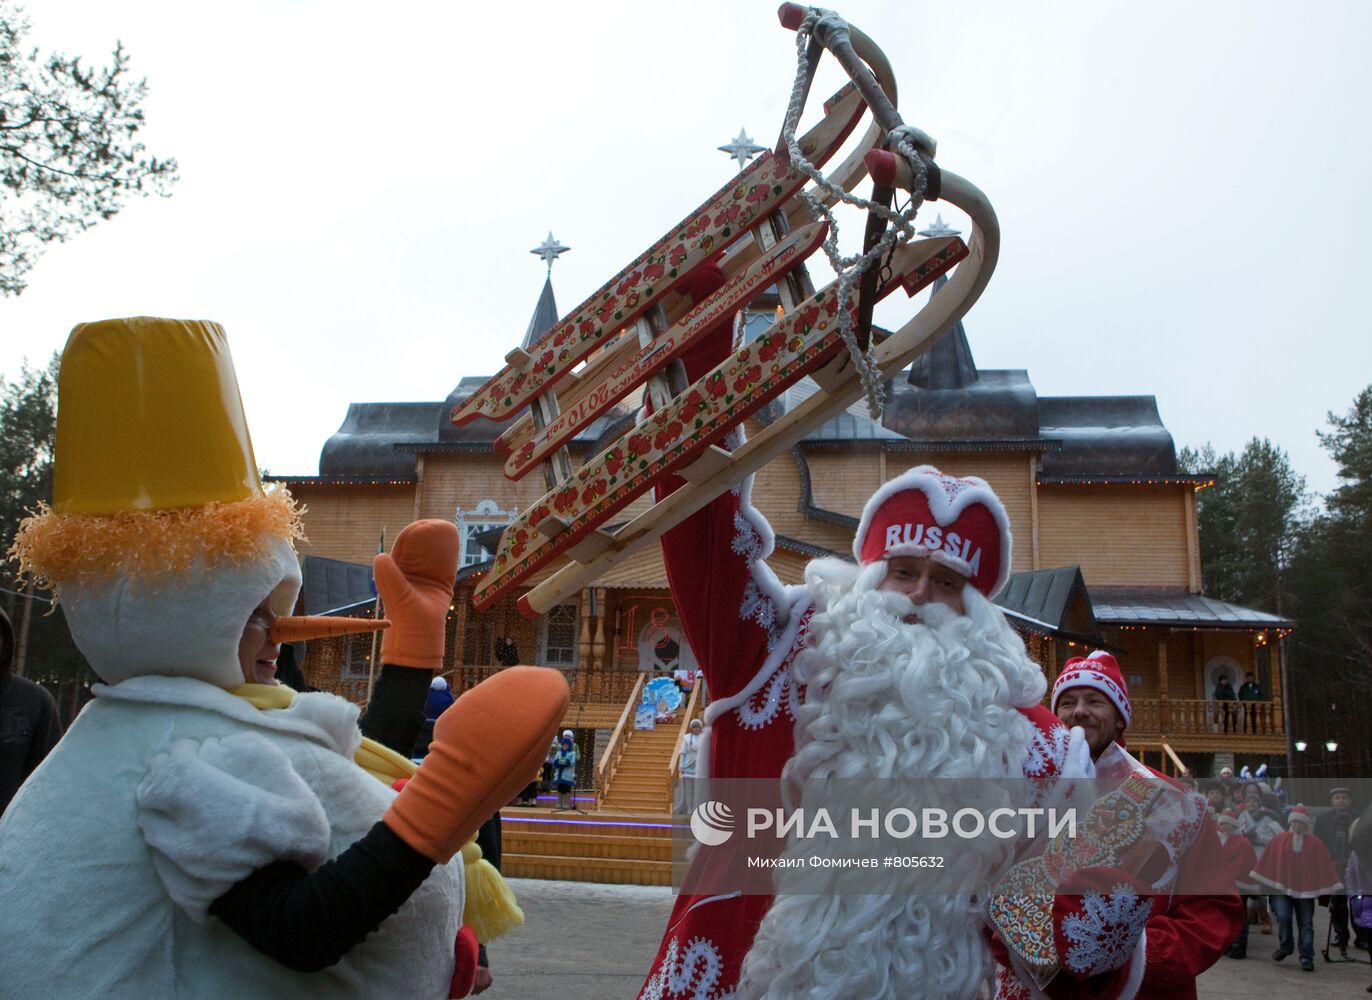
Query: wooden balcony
{"x": 1203, "y": 726}
{"x": 598, "y": 696}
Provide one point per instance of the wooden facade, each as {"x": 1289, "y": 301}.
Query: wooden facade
{"x": 1119, "y": 534}
{"x": 1089, "y": 483}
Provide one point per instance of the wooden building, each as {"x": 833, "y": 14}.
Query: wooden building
{"x": 1106, "y": 551}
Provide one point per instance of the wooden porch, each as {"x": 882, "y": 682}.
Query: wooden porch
{"x": 1198, "y": 725}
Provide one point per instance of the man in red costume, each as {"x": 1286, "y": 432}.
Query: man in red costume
{"x": 931, "y": 550}
{"x": 1296, "y": 866}
{"x": 1186, "y": 932}
{"x": 1240, "y": 858}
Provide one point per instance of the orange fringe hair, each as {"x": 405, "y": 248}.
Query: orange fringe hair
{"x": 55, "y": 549}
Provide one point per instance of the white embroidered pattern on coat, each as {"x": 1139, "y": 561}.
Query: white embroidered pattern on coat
{"x": 677, "y": 976}
{"x": 763, "y": 706}
{"x": 758, "y": 607}
{"x": 1106, "y": 931}
{"x": 1047, "y": 751}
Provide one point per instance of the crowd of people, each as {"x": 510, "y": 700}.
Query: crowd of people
{"x": 1284, "y": 863}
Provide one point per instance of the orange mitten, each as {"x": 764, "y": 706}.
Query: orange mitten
{"x": 416, "y": 583}
{"x": 485, "y": 748}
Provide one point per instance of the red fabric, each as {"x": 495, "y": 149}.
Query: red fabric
{"x": 906, "y": 520}
{"x": 1184, "y": 936}
{"x": 1295, "y": 867}
{"x": 466, "y": 952}
{"x": 1239, "y": 860}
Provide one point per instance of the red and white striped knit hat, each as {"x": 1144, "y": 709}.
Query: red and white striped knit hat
{"x": 960, "y": 523}
{"x": 1098, "y": 671}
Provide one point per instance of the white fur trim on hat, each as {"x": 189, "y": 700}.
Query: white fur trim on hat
{"x": 1100, "y": 672}
{"x": 945, "y": 508}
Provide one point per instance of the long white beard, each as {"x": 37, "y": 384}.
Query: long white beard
{"x": 901, "y": 711}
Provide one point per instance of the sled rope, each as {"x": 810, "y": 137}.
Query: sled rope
{"x": 905, "y": 140}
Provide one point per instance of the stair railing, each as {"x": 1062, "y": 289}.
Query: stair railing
{"x": 674, "y": 765}
{"x": 614, "y": 750}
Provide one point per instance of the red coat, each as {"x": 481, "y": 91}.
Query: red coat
{"x": 1192, "y": 931}
{"x": 1239, "y": 860}
{"x": 1297, "y": 865}
{"x": 745, "y": 630}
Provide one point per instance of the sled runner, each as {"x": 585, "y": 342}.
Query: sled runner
{"x": 759, "y": 230}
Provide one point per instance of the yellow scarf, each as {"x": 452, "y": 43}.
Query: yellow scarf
{"x": 490, "y": 908}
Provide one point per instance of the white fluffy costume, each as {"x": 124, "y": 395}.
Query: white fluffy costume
{"x": 168, "y": 789}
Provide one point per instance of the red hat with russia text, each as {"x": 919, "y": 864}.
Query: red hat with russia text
{"x": 960, "y": 523}
{"x": 1098, "y": 671}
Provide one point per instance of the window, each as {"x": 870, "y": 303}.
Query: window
{"x": 560, "y": 636}
{"x": 471, "y": 524}
{"x": 357, "y": 657}
{"x": 661, "y": 646}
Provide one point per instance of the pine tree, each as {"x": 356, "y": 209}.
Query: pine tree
{"x": 68, "y": 153}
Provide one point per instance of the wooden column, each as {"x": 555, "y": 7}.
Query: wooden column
{"x": 1164, "y": 712}
{"x": 1033, "y": 511}
{"x": 1281, "y": 721}
{"x": 1193, "y": 566}
{"x": 584, "y": 644}
{"x": 598, "y": 642}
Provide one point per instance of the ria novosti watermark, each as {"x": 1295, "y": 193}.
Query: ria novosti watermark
{"x": 712, "y": 823}
{"x": 931, "y": 836}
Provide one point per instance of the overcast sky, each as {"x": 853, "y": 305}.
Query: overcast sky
{"x": 1182, "y": 187}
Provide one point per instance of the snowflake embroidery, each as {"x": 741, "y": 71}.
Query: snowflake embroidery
{"x": 747, "y": 542}
{"x": 762, "y": 707}
{"x": 691, "y": 976}
{"x": 1047, "y": 751}
{"x": 759, "y": 607}
{"x": 1106, "y": 931}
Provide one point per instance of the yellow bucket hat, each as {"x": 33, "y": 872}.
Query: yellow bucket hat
{"x": 153, "y": 466}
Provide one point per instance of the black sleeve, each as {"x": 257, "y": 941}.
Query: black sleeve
{"x": 307, "y": 922}
{"x": 47, "y": 729}
{"x": 396, "y": 710}
{"x": 488, "y": 839}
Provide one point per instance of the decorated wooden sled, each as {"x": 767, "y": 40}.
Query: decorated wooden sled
{"x": 759, "y": 229}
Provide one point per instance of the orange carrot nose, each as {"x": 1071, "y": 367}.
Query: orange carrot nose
{"x": 299, "y": 628}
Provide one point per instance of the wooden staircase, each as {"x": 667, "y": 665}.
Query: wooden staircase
{"x": 641, "y": 782}
{"x": 605, "y": 846}
{"x": 627, "y": 838}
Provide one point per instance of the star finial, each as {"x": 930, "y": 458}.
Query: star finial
{"x": 742, "y": 149}
{"x": 940, "y": 228}
{"x": 550, "y": 249}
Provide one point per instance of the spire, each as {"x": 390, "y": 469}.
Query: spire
{"x": 545, "y": 312}
{"x": 545, "y": 315}
{"x": 949, "y": 363}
